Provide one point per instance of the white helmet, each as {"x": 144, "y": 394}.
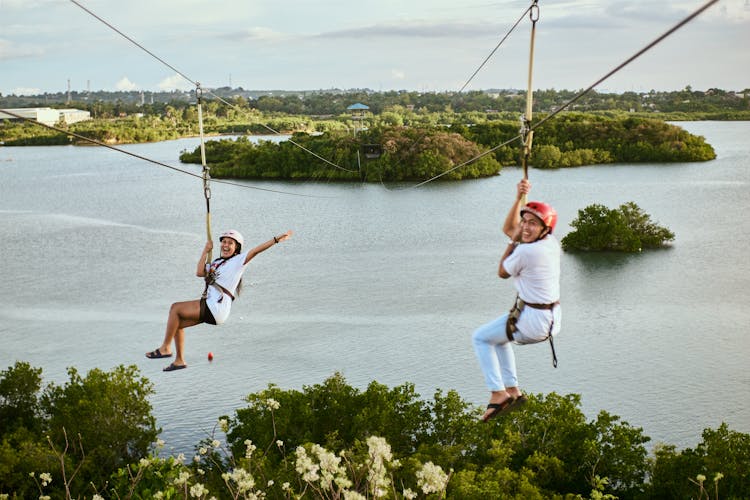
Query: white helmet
{"x": 235, "y": 235}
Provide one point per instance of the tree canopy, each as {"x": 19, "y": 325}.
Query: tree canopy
{"x": 624, "y": 229}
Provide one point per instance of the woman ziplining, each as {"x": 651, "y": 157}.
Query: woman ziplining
{"x": 223, "y": 278}
{"x": 532, "y": 259}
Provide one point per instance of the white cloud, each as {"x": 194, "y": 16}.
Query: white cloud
{"x": 398, "y": 74}
{"x": 26, "y": 91}
{"x": 125, "y": 84}
{"x": 175, "y": 82}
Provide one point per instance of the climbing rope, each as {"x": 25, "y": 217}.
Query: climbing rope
{"x": 206, "y": 173}
{"x": 527, "y": 134}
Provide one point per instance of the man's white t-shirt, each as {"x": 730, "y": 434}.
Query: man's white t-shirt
{"x": 535, "y": 269}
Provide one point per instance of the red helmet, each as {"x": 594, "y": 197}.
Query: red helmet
{"x": 545, "y": 212}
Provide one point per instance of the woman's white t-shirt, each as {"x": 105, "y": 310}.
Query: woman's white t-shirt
{"x": 228, "y": 275}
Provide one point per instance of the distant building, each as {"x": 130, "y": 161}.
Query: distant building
{"x": 48, "y": 116}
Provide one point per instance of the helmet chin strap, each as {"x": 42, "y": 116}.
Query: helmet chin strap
{"x": 543, "y": 234}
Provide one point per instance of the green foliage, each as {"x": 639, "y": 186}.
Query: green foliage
{"x": 332, "y": 440}
{"x": 723, "y": 457}
{"x": 108, "y": 412}
{"x": 575, "y": 139}
{"x": 90, "y": 426}
{"x": 626, "y": 229}
{"x": 407, "y": 154}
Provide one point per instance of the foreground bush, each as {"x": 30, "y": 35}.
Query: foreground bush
{"x": 332, "y": 440}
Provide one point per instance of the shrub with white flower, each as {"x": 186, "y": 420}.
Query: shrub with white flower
{"x": 198, "y": 490}
{"x": 249, "y": 449}
{"x": 224, "y": 425}
{"x": 431, "y": 478}
{"x": 379, "y": 452}
{"x": 272, "y": 404}
{"x": 243, "y": 480}
{"x": 46, "y": 478}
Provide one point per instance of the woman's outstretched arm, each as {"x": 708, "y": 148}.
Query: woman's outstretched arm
{"x": 268, "y": 244}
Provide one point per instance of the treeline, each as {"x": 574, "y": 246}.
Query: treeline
{"x": 399, "y": 153}
{"x": 95, "y": 437}
{"x": 713, "y": 102}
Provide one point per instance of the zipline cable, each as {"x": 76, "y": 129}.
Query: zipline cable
{"x": 628, "y": 61}
{"x": 497, "y": 47}
{"x": 144, "y": 158}
{"x": 196, "y": 84}
{"x": 648, "y": 47}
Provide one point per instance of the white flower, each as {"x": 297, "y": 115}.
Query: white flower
{"x": 719, "y": 476}
{"x": 353, "y": 495}
{"x": 159, "y": 495}
{"x": 181, "y": 479}
{"x": 198, "y": 490}
{"x": 46, "y": 478}
{"x": 244, "y": 480}
{"x": 160, "y": 443}
{"x": 700, "y": 478}
{"x": 279, "y": 443}
{"x": 44, "y": 497}
{"x": 380, "y": 453}
{"x": 249, "y": 448}
{"x": 97, "y": 497}
{"x": 270, "y": 483}
{"x": 224, "y": 425}
{"x": 201, "y": 472}
{"x": 431, "y": 478}
{"x": 272, "y": 404}
{"x": 197, "y": 459}
{"x": 144, "y": 462}
{"x": 285, "y": 486}
{"x": 203, "y": 450}
{"x": 409, "y": 494}
{"x": 215, "y": 443}
{"x": 180, "y": 458}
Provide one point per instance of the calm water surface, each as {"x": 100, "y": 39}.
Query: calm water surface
{"x": 379, "y": 284}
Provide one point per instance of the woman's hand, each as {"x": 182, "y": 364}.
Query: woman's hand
{"x": 285, "y": 236}
{"x": 209, "y": 246}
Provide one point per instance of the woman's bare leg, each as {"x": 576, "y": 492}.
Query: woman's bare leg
{"x": 181, "y": 315}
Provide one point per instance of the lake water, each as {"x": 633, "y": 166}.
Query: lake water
{"x": 379, "y": 284}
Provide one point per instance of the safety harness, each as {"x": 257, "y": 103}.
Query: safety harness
{"x": 212, "y": 274}
{"x": 515, "y": 313}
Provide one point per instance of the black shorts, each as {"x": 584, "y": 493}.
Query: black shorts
{"x": 205, "y": 315}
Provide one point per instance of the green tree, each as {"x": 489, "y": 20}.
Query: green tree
{"x": 104, "y": 419}
{"x": 626, "y": 229}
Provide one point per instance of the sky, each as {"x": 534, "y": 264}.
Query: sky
{"x": 419, "y": 45}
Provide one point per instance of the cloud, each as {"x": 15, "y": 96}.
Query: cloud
{"x": 397, "y": 74}
{"x": 419, "y": 29}
{"x": 175, "y": 82}
{"x": 255, "y": 34}
{"x": 26, "y": 91}
{"x": 9, "y": 50}
{"x": 126, "y": 84}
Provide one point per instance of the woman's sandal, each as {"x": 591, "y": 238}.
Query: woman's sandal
{"x": 157, "y": 354}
